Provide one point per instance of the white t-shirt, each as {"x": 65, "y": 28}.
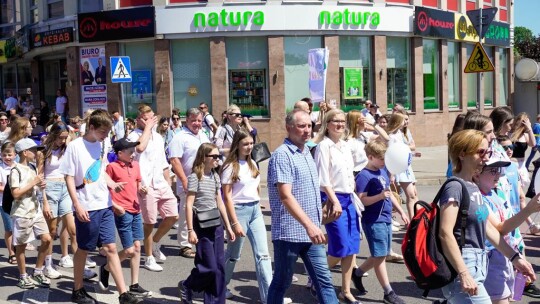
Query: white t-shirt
{"x": 246, "y": 189}
{"x": 4, "y": 172}
{"x": 357, "y": 146}
{"x": 82, "y": 161}
{"x": 52, "y": 166}
{"x": 208, "y": 120}
{"x": 335, "y": 165}
{"x": 119, "y": 128}
{"x": 60, "y": 104}
{"x": 184, "y": 146}
{"x": 152, "y": 160}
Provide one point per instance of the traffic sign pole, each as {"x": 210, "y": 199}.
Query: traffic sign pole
{"x": 479, "y": 75}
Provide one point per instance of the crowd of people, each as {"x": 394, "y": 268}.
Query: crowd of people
{"x": 103, "y": 175}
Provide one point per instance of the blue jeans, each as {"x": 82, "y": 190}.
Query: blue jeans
{"x": 531, "y": 156}
{"x": 476, "y": 261}
{"x": 314, "y": 256}
{"x": 250, "y": 218}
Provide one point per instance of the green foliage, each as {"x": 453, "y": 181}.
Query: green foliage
{"x": 526, "y": 44}
{"x": 521, "y": 34}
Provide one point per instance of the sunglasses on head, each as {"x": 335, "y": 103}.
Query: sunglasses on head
{"x": 214, "y": 156}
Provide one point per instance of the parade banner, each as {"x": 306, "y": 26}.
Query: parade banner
{"x": 318, "y": 62}
{"x": 93, "y": 78}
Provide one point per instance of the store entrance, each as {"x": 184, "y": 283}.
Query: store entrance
{"x": 54, "y": 77}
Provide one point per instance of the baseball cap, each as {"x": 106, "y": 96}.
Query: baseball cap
{"x": 495, "y": 162}
{"x": 124, "y": 143}
{"x": 25, "y": 144}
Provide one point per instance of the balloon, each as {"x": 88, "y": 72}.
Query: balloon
{"x": 398, "y": 157}
{"x": 537, "y": 183}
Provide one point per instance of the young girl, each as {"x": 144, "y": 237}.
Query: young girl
{"x": 8, "y": 162}
{"x": 204, "y": 197}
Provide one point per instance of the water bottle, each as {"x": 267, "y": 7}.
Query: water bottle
{"x": 519, "y": 285}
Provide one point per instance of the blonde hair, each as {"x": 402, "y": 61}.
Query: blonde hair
{"x": 143, "y": 109}
{"x": 324, "y": 127}
{"x": 465, "y": 141}
{"x": 518, "y": 128}
{"x": 233, "y": 159}
{"x": 354, "y": 123}
{"x": 376, "y": 148}
{"x": 198, "y": 163}
{"x": 395, "y": 123}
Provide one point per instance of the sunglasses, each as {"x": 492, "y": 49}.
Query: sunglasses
{"x": 175, "y": 118}
{"x": 201, "y": 108}
{"x": 511, "y": 147}
{"x": 34, "y": 120}
{"x": 236, "y": 114}
{"x": 484, "y": 152}
{"x": 214, "y": 156}
{"x": 493, "y": 171}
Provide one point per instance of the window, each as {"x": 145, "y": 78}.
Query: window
{"x": 430, "y": 69}
{"x": 297, "y": 68}
{"x": 34, "y": 12}
{"x": 191, "y": 72}
{"x": 471, "y": 82}
{"x": 55, "y": 8}
{"x": 453, "y": 75}
{"x": 141, "y": 89}
{"x": 9, "y": 18}
{"x": 247, "y": 59}
{"x": 355, "y": 58}
{"x": 488, "y": 81}
{"x": 503, "y": 78}
{"x": 88, "y": 6}
{"x": 397, "y": 71}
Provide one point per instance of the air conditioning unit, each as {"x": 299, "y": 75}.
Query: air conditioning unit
{"x": 527, "y": 70}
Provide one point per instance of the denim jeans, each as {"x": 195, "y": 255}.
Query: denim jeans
{"x": 476, "y": 261}
{"x": 250, "y": 218}
{"x": 314, "y": 256}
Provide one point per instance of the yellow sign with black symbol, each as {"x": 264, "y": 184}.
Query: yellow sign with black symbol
{"x": 479, "y": 61}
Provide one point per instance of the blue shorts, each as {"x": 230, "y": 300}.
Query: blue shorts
{"x": 100, "y": 229}
{"x": 8, "y": 223}
{"x": 58, "y": 198}
{"x": 499, "y": 281}
{"x": 379, "y": 238}
{"x": 130, "y": 228}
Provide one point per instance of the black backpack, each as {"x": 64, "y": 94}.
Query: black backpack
{"x": 421, "y": 247}
{"x": 7, "y": 196}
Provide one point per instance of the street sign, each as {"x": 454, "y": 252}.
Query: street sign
{"x": 120, "y": 69}
{"x": 485, "y": 19}
{"x": 479, "y": 61}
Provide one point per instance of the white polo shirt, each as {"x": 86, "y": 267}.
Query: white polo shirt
{"x": 152, "y": 160}
{"x": 184, "y": 146}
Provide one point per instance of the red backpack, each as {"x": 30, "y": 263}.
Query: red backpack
{"x": 421, "y": 247}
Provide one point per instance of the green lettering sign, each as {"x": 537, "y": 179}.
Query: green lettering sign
{"x": 349, "y": 18}
{"x": 226, "y": 18}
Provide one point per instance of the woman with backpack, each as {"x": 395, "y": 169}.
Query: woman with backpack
{"x": 469, "y": 151}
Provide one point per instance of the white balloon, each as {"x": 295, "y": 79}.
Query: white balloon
{"x": 398, "y": 157}
{"x": 537, "y": 182}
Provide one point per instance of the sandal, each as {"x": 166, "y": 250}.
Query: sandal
{"x": 186, "y": 252}
{"x": 12, "y": 260}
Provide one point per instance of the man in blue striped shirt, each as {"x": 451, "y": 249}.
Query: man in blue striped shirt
{"x": 293, "y": 189}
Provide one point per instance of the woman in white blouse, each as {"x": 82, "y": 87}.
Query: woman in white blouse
{"x": 335, "y": 167}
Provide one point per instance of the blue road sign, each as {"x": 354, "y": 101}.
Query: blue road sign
{"x": 120, "y": 69}
{"x": 483, "y": 16}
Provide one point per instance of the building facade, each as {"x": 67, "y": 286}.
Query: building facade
{"x": 255, "y": 54}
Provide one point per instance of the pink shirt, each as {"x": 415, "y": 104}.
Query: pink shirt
{"x": 131, "y": 174}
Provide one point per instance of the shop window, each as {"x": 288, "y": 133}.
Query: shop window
{"x": 430, "y": 67}
{"x": 471, "y": 82}
{"x": 398, "y": 71}
{"x": 131, "y": 3}
{"x": 34, "y": 11}
{"x": 88, "y": 6}
{"x": 247, "y": 59}
{"x": 355, "y": 71}
{"x": 140, "y": 90}
{"x": 55, "y": 8}
{"x": 488, "y": 81}
{"x": 9, "y": 18}
{"x": 453, "y": 75}
{"x": 297, "y": 68}
{"x": 192, "y": 81}
{"x": 503, "y": 77}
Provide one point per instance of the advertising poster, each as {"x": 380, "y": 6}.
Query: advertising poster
{"x": 352, "y": 83}
{"x": 93, "y": 78}
{"x": 318, "y": 62}
{"x": 141, "y": 86}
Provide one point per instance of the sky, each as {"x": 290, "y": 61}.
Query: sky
{"x": 526, "y": 14}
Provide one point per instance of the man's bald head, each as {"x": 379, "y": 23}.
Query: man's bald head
{"x": 301, "y": 105}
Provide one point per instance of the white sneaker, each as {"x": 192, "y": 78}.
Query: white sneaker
{"x": 365, "y": 274}
{"x": 151, "y": 264}
{"x": 294, "y": 279}
{"x": 287, "y": 300}
{"x": 51, "y": 273}
{"x": 175, "y": 226}
{"x": 396, "y": 223}
{"x": 157, "y": 253}
{"x": 89, "y": 274}
{"x": 395, "y": 229}
{"x": 90, "y": 263}
{"x": 228, "y": 294}
{"x": 66, "y": 262}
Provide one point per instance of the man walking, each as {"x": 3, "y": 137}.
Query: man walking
{"x": 182, "y": 151}
{"x": 293, "y": 190}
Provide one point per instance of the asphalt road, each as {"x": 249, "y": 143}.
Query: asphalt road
{"x": 244, "y": 284}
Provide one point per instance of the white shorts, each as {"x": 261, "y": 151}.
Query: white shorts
{"x": 26, "y": 230}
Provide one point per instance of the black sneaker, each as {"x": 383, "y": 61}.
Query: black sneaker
{"x": 137, "y": 290}
{"x": 128, "y": 298}
{"x": 82, "y": 297}
{"x": 103, "y": 278}
{"x": 531, "y": 291}
{"x": 186, "y": 294}
{"x": 393, "y": 298}
{"x": 357, "y": 281}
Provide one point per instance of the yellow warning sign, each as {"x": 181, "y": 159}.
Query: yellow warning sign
{"x": 479, "y": 61}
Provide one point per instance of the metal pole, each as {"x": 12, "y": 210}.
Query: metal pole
{"x": 479, "y": 75}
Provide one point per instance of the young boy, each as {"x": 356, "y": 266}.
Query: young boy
{"x": 373, "y": 188}
{"x": 126, "y": 208}
{"x": 8, "y": 157}
{"x": 28, "y": 220}
{"x": 83, "y": 165}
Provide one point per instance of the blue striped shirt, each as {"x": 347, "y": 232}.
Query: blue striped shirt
{"x": 289, "y": 165}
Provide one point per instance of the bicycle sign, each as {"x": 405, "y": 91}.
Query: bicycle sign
{"x": 479, "y": 61}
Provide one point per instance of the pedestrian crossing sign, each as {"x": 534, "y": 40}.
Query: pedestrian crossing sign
{"x": 479, "y": 61}
{"x": 120, "y": 69}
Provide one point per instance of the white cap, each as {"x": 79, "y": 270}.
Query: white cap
{"x": 25, "y": 144}
{"x": 496, "y": 162}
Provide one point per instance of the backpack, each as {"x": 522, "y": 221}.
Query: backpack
{"x": 7, "y": 196}
{"x": 421, "y": 247}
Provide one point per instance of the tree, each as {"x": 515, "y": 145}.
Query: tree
{"x": 529, "y": 48}
{"x": 521, "y": 34}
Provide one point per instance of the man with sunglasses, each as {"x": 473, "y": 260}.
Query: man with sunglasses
{"x": 209, "y": 123}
